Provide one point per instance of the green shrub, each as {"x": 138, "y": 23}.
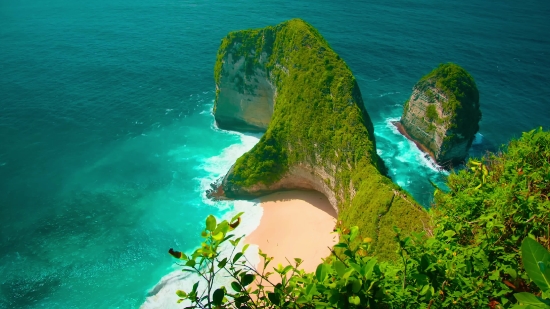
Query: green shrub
{"x": 431, "y": 113}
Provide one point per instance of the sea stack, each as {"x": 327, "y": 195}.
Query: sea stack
{"x": 288, "y": 82}
{"x": 442, "y": 114}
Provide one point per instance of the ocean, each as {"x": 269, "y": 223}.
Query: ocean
{"x": 107, "y": 141}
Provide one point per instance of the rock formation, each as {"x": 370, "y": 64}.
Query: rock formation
{"x": 320, "y": 136}
{"x": 244, "y": 91}
{"x": 442, "y": 115}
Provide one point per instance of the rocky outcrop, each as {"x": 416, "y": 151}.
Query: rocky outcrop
{"x": 298, "y": 177}
{"x": 320, "y": 137}
{"x": 442, "y": 115}
{"x": 244, "y": 95}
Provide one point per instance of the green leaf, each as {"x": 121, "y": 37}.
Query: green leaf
{"x": 424, "y": 289}
{"x": 512, "y": 272}
{"x": 311, "y": 289}
{"x": 286, "y": 269}
{"x": 355, "y": 300}
{"x": 235, "y": 217}
{"x": 222, "y": 227}
{"x": 449, "y": 233}
{"x": 356, "y": 285}
{"x": 355, "y": 266}
{"x": 236, "y": 286}
{"x": 421, "y": 279}
{"x": 181, "y": 293}
{"x": 368, "y": 268}
{"x": 424, "y": 262}
{"x": 321, "y": 272}
{"x": 222, "y": 263}
{"x": 195, "y": 287}
{"x": 334, "y": 297}
{"x": 354, "y": 231}
{"x": 534, "y": 255}
{"x": 247, "y": 279}
{"x": 245, "y": 247}
{"x": 211, "y": 223}
{"x": 217, "y": 297}
{"x": 237, "y": 257}
{"x": 525, "y": 298}
{"x": 301, "y": 300}
{"x": 339, "y": 267}
{"x": 341, "y": 245}
{"x": 218, "y": 236}
{"x": 190, "y": 263}
{"x": 275, "y": 298}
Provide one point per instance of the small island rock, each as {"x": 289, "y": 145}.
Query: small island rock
{"x": 442, "y": 115}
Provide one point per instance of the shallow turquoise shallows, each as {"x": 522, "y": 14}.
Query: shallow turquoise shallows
{"x": 107, "y": 141}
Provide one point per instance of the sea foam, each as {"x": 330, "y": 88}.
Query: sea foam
{"x": 163, "y": 294}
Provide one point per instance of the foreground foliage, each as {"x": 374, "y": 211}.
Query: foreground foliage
{"x": 488, "y": 249}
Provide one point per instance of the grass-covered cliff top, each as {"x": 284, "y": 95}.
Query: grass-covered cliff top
{"x": 460, "y": 88}
{"x": 319, "y": 121}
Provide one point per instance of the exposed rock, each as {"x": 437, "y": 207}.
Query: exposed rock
{"x": 320, "y": 136}
{"x": 244, "y": 91}
{"x": 442, "y": 115}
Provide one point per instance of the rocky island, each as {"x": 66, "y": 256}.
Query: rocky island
{"x": 442, "y": 115}
{"x": 286, "y": 80}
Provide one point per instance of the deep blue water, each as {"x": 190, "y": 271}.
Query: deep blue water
{"x": 106, "y": 137}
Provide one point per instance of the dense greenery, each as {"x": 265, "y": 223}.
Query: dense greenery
{"x": 319, "y": 121}
{"x": 461, "y": 106}
{"x": 470, "y": 259}
{"x": 431, "y": 113}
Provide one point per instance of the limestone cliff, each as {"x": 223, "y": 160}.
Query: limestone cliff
{"x": 442, "y": 115}
{"x": 244, "y": 91}
{"x": 320, "y": 136}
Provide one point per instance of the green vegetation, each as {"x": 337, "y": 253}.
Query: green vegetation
{"x": 319, "y": 122}
{"x": 460, "y": 88}
{"x": 430, "y": 95}
{"x": 470, "y": 259}
{"x": 431, "y": 113}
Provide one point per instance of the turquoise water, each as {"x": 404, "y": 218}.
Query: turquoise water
{"x": 107, "y": 140}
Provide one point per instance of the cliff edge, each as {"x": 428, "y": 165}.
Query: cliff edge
{"x": 287, "y": 80}
{"x": 442, "y": 115}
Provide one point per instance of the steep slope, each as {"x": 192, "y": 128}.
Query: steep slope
{"x": 442, "y": 114}
{"x": 320, "y": 136}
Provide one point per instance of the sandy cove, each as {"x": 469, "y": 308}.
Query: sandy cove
{"x": 295, "y": 224}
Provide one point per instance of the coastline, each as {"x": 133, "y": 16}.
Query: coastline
{"x": 295, "y": 224}
{"x": 402, "y": 130}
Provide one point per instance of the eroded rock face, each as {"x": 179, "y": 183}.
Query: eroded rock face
{"x": 244, "y": 99}
{"x": 298, "y": 177}
{"x": 442, "y": 115}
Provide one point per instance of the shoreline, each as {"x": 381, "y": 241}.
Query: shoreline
{"x": 295, "y": 224}
{"x": 403, "y": 132}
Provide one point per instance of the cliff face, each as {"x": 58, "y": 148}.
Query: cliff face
{"x": 320, "y": 136}
{"x": 244, "y": 93}
{"x": 442, "y": 114}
